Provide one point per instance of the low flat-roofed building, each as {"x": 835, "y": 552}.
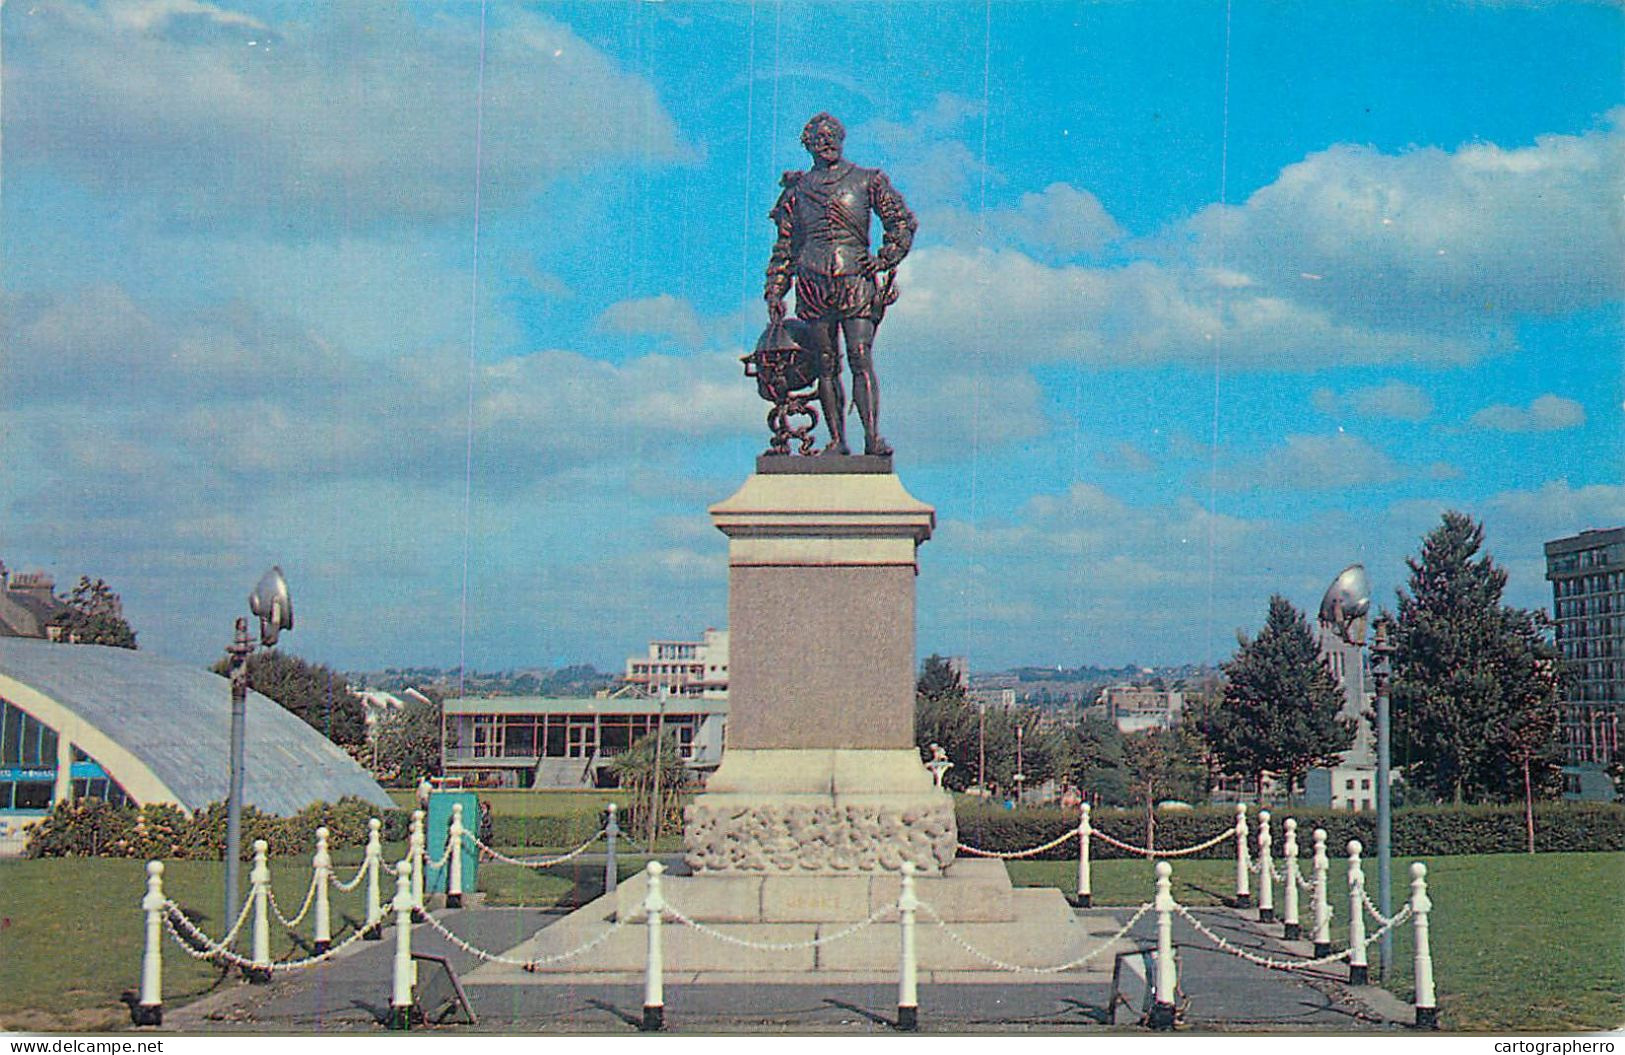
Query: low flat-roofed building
{"x": 128, "y": 726}
{"x": 547, "y": 742}
{"x": 1136, "y": 708}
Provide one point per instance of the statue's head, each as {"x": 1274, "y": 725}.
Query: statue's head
{"x": 823, "y": 136}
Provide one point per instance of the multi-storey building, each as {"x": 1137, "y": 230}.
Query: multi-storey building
{"x": 683, "y": 668}
{"x": 1136, "y": 708}
{"x": 1587, "y": 573}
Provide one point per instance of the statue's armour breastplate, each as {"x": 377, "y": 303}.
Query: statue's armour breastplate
{"x": 831, "y": 220}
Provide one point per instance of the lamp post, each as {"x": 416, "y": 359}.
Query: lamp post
{"x": 981, "y": 748}
{"x": 660, "y": 732}
{"x": 1382, "y": 650}
{"x": 270, "y": 602}
{"x": 1020, "y": 776}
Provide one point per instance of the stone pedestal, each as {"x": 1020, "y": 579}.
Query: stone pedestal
{"x": 820, "y": 775}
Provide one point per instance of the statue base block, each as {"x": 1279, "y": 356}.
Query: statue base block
{"x": 819, "y": 811}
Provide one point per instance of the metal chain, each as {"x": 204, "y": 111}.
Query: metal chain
{"x": 1262, "y": 961}
{"x": 310, "y": 899}
{"x": 529, "y": 965}
{"x": 1285, "y": 965}
{"x": 231, "y": 935}
{"x": 1371, "y": 907}
{"x": 219, "y": 953}
{"x": 1146, "y": 851}
{"x": 779, "y": 946}
{"x": 498, "y": 855}
{"x": 361, "y": 873}
{"x": 1001, "y": 965}
{"x": 1052, "y": 844}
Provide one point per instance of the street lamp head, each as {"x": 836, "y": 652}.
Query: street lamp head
{"x": 270, "y": 602}
{"x": 1346, "y": 603}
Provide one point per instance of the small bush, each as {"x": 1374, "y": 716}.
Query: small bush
{"x": 1420, "y": 831}
{"x": 91, "y": 828}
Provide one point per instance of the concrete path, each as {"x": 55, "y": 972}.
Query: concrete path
{"x": 1219, "y": 993}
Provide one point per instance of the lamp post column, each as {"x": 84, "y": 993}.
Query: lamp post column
{"x": 1382, "y": 650}
{"x": 237, "y": 654}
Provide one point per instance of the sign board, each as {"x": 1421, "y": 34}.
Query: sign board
{"x": 436, "y": 825}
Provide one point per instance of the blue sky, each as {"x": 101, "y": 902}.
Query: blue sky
{"x": 439, "y": 306}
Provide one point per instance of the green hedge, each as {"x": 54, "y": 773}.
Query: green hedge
{"x": 92, "y": 828}
{"x": 1422, "y": 831}
{"x": 553, "y": 832}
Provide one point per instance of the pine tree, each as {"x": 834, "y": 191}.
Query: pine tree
{"x": 1475, "y": 682}
{"x": 94, "y": 616}
{"x": 1280, "y": 709}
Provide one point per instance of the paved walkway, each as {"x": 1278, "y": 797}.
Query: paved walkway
{"x": 1220, "y": 993}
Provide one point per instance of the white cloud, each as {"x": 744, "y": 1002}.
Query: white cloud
{"x": 662, "y": 316}
{"x": 1003, "y": 306}
{"x": 1476, "y": 233}
{"x": 1314, "y": 463}
{"x": 1394, "y": 400}
{"x": 333, "y": 114}
{"x": 1060, "y": 218}
{"x": 1547, "y": 413}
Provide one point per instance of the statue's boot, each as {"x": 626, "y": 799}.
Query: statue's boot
{"x": 866, "y": 397}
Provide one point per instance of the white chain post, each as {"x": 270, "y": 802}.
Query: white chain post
{"x": 1292, "y": 930}
{"x": 1359, "y": 971}
{"x": 417, "y": 848}
{"x": 374, "y": 864}
{"x": 654, "y": 982}
{"x": 1427, "y": 1004}
{"x": 322, "y": 869}
{"x": 1266, "y": 870}
{"x": 1086, "y": 893}
{"x": 1162, "y": 1012}
{"x": 1322, "y": 906}
{"x": 400, "y": 1000}
{"x": 612, "y": 829}
{"x": 908, "y": 975}
{"x": 150, "y": 1011}
{"x": 259, "y": 888}
{"x": 1243, "y": 895}
{"x": 454, "y": 838}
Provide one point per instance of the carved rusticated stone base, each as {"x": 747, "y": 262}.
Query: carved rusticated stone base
{"x": 825, "y": 839}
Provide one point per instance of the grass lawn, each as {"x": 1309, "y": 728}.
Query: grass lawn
{"x": 1519, "y": 942}
{"x": 72, "y": 931}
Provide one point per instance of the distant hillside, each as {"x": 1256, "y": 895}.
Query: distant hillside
{"x": 575, "y": 680}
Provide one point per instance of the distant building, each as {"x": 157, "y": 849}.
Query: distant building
{"x": 544, "y": 742}
{"x": 28, "y": 603}
{"x": 991, "y": 697}
{"x": 1352, "y": 783}
{"x": 1137, "y": 708}
{"x": 1587, "y": 573}
{"x": 683, "y": 668}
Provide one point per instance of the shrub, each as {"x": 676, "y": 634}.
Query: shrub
{"x": 1420, "y": 831}
{"x": 91, "y": 828}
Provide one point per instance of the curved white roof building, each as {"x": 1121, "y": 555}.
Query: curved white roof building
{"x": 131, "y": 725}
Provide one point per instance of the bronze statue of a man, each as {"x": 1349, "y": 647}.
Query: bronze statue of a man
{"x": 822, "y": 218}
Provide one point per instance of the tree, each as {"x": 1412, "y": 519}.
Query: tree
{"x": 1475, "y": 683}
{"x": 653, "y": 780}
{"x": 1161, "y": 766}
{"x": 1280, "y": 708}
{"x": 939, "y": 680}
{"x": 94, "y": 616}
{"x": 318, "y": 695}
{"x": 407, "y": 742}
